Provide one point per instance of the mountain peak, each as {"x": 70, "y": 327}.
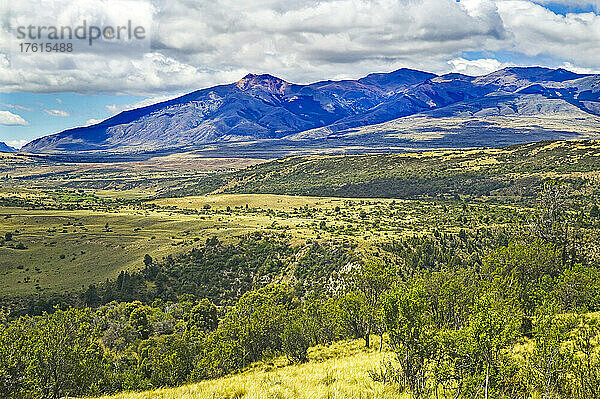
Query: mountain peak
{"x": 263, "y": 81}
{"x": 561, "y": 75}
{"x": 398, "y": 79}
{"x": 537, "y": 74}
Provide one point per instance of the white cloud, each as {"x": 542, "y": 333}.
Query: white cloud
{"x": 573, "y": 68}
{"x": 17, "y": 143}
{"x": 478, "y": 67}
{"x": 9, "y": 119}
{"x": 57, "y": 112}
{"x": 197, "y": 44}
{"x": 92, "y": 121}
{"x": 115, "y": 109}
{"x": 538, "y": 31}
{"x": 202, "y": 43}
{"x": 17, "y": 107}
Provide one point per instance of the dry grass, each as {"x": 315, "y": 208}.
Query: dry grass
{"x": 67, "y": 250}
{"x": 342, "y": 376}
{"x": 263, "y": 201}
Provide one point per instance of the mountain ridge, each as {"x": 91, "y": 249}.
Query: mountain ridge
{"x": 6, "y": 148}
{"x": 262, "y": 107}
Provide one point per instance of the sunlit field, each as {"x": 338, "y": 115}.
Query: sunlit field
{"x": 339, "y": 371}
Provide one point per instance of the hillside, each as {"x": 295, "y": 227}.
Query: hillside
{"x": 476, "y": 257}
{"x": 339, "y": 370}
{"x": 263, "y": 112}
{"x": 508, "y": 173}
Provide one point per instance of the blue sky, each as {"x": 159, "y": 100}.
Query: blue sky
{"x": 566, "y": 8}
{"x": 52, "y": 113}
{"x": 191, "y": 45}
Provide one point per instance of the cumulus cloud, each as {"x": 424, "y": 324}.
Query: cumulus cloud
{"x": 92, "y": 122}
{"x": 17, "y": 143}
{"x": 57, "y": 112}
{"x": 9, "y": 119}
{"x": 539, "y": 31}
{"x": 574, "y": 68}
{"x": 477, "y": 67}
{"x": 200, "y": 43}
{"x": 115, "y": 109}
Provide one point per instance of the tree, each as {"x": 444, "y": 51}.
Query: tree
{"x": 166, "y": 360}
{"x": 91, "y": 296}
{"x": 15, "y": 359}
{"x": 547, "y": 365}
{"x": 322, "y": 324}
{"x": 493, "y": 327}
{"x": 147, "y": 261}
{"x": 203, "y": 316}
{"x": 553, "y": 222}
{"x": 355, "y": 314}
{"x": 256, "y": 322}
{"x": 526, "y": 270}
{"x": 408, "y": 323}
{"x": 371, "y": 280}
{"x": 451, "y": 295}
{"x": 139, "y": 321}
{"x": 67, "y": 359}
{"x": 585, "y": 366}
{"x": 293, "y": 338}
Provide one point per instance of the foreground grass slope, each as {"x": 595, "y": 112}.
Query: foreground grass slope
{"x": 338, "y": 371}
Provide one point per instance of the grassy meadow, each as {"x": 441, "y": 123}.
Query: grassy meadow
{"x": 336, "y": 371}
{"x": 65, "y": 250}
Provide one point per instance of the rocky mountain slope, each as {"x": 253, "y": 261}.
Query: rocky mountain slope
{"x": 6, "y": 148}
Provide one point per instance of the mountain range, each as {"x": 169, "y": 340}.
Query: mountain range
{"x": 397, "y": 110}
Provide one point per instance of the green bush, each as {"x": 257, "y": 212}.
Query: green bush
{"x": 293, "y": 339}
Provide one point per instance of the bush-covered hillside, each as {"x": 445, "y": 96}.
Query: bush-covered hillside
{"x": 507, "y": 312}
{"x": 509, "y": 173}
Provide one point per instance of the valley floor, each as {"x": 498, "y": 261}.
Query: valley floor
{"x": 66, "y": 250}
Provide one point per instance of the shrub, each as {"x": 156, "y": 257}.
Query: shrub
{"x": 408, "y": 322}
{"x": 294, "y": 341}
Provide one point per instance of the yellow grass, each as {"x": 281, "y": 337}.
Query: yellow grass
{"x": 264, "y": 201}
{"x": 337, "y": 377}
{"x": 66, "y": 250}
